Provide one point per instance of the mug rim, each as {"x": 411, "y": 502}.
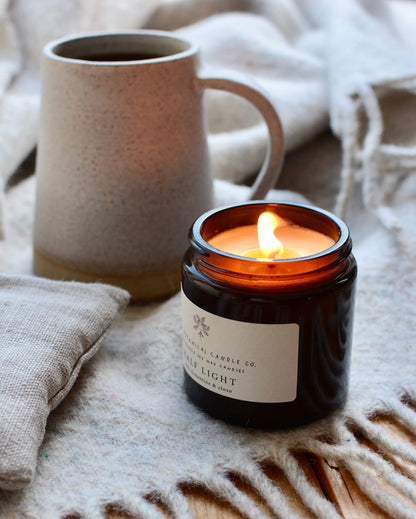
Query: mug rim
{"x": 50, "y": 49}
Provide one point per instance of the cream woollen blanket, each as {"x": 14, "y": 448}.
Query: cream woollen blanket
{"x": 126, "y": 430}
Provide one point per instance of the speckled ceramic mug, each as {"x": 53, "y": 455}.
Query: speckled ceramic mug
{"x": 122, "y": 165}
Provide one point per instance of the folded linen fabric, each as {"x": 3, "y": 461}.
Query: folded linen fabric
{"x": 48, "y": 329}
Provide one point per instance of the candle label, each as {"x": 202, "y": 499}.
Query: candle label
{"x": 246, "y": 361}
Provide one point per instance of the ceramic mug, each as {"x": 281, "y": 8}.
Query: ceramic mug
{"x": 122, "y": 164}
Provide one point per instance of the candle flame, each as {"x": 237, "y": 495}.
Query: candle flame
{"x": 270, "y": 246}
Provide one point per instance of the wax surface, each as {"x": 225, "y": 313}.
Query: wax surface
{"x": 297, "y": 241}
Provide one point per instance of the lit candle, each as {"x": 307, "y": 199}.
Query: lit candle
{"x": 272, "y": 238}
{"x": 267, "y": 312}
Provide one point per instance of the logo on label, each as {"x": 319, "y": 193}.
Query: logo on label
{"x": 201, "y": 326}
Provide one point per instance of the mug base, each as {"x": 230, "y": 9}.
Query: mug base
{"x": 142, "y": 288}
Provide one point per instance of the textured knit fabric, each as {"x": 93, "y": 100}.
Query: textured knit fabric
{"x": 127, "y": 430}
{"x": 48, "y": 329}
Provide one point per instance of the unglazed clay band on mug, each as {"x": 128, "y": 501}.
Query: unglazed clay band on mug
{"x": 242, "y": 86}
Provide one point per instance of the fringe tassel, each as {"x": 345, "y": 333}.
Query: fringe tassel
{"x": 349, "y": 164}
{"x": 368, "y": 481}
{"x": 134, "y": 505}
{"x": 381, "y": 166}
{"x": 272, "y": 495}
{"x": 383, "y": 440}
{"x": 178, "y": 504}
{"x": 312, "y": 499}
{"x": 377, "y": 478}
{"x": 406, "y": 415}
{"x": 225, "y": 489}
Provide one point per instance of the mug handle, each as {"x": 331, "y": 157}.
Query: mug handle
{"x": 242, "y": 86}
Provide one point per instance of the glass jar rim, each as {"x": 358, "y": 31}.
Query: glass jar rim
{"x": 256, "y": 207}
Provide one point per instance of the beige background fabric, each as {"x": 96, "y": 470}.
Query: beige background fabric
{"x": 308, "y": 56}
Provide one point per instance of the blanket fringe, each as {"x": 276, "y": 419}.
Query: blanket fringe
{"x": 178, "y": 504}
{"x": 369, "y": 459}
{"x": 380, "y": 167}
{"x": 272, "y": 495}
{"x": 406, "y": 415}
{"x": 310, "y": 496}
{"x": 383, "y": 440}
{"x": 362, "y": 445}
{"x": 225, "y": 489}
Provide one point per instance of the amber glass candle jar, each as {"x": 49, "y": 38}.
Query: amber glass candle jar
{"x": 267, "y": 343}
